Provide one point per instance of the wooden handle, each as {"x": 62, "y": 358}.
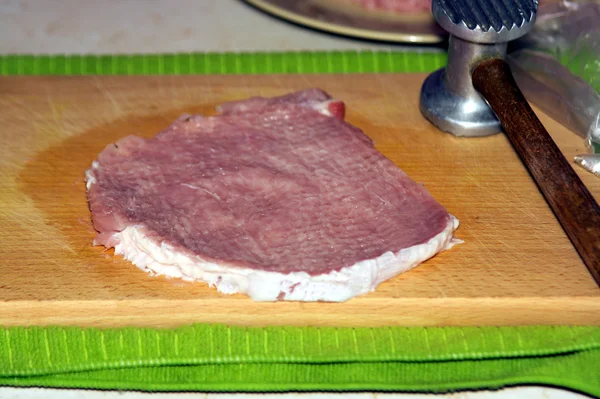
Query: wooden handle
{"x": 570, "y": 200}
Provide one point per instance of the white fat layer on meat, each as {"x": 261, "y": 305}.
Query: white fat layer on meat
{"x": 260, "y": 285}
{"x": 322, "y": 107}
{"x": 90, "y": 179}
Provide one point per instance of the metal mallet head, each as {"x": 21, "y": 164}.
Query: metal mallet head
{"x": 479, "y": 30}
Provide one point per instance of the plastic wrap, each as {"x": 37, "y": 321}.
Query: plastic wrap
{"x": 557, "y": 66}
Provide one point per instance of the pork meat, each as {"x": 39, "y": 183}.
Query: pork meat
{"x": 278, "y": 198}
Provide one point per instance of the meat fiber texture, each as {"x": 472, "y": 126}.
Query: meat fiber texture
{"x": 277, "y": 198}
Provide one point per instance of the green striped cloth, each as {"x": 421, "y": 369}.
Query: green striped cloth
{"x": 221, "y": 358}
{"x": 223, "y": 63}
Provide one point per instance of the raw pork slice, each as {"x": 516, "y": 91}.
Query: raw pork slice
{"x": 397, "y": 6}
{"x": 277, "y": 198}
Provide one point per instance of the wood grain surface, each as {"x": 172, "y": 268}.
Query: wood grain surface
{"x": 515, "y": 267}
{"x": 570, "y": 200}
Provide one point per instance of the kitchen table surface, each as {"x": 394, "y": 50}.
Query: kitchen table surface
{"x": 168, "y": 26}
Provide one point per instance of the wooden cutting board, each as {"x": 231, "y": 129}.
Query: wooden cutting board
{"x": 515, "y": 267}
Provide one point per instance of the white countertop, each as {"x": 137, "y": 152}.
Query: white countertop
{"x": 169, "y": 26}
{"x": 153, "y": 26}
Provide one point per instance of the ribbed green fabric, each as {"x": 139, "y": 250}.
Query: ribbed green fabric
{"x": 221, "y": 358}
{"x": 218, "y": 358}
{"x": 223, "y": 63}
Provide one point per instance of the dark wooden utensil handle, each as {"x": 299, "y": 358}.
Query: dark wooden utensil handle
{"x": 569, "y": 199}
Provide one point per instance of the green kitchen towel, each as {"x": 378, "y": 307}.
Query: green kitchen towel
{"x": 221, "y": 358}
{"x": 224, "y": 63}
